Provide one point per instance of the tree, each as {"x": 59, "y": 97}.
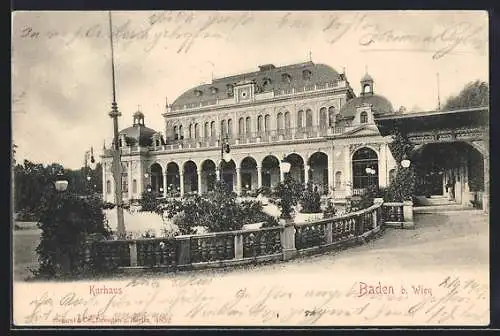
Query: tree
{"x": 474, "y": 94}
{"x": 403, "y": 186}
{"x": 66, "y": 220}
{"x": 286, "y": 195}
{"x": 310, "y": 200}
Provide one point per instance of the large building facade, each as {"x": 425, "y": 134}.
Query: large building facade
{"x": 307, "y": 114}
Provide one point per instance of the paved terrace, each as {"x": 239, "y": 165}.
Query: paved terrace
{"x": 443, "y": 265}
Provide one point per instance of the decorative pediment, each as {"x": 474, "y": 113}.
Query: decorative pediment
{"x": 363, "y": 130}
{"x": 355, "y": 147}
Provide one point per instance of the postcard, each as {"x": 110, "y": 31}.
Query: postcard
{"x": 250, "y": 168}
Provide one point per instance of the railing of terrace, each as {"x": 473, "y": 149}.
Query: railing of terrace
{"x": 225, "y": 248}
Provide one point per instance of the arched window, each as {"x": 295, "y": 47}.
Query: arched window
{"x": 267, "y": 120}
{"x": 287, "y": 120}
{"x": 212, "y": 129}
{"x": 190, "y": 131}
{"x": 300, "y": 119}
{"x": 176, "y": 133}
{"x": 181, "y": 132}
{"x": 196, "y": 131}
{"x": 248, "y": 125}
{"x": 108, "y": 187}
{"x": 392, "y": 175}
{"x": 338, "y": 180}
{"x": 309, "y": 118}
{"x": 362, "y": 159}
{"x": 331, "y": 116}
{"x": 322, "y": 117}
{"x": 241, "y": 126}
{"x": 286, "y": 78}
{"x": 260, "y": 126}
{"x": 366, "y": 88}
{"x": 206, "y": 130}
{"x": 230, "y": 127}
{"x": 279, "y": 121}
{"x": 223, "y": 129}
{"x": 306, "y": 74}
{"x": 363, "y": 117}
{"x": 134, "y": 186}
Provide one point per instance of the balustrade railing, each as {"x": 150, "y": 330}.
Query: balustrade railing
{"x": 156, "y": 252}
{"x": 110, "y": 254}
{"x": 216, "y": 247}
{"x": 393, "y": 212}
{"x": 262, "y": 242}
{"x": 222, "y": 248}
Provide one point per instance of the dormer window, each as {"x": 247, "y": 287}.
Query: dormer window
{"x": 214, "y": 90}
{"x": 363, "y": 117}
{"x": 266, "y": 82}
{"x": 229, "y": 90}
{"x": 198, "y": 93}
{"x": 286, "y": 78}
{"x": 306, "y": 74}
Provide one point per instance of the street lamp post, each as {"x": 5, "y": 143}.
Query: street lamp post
{"x": 225, "y": 154}
{"x": 286, "y": 197}
{"x": 117, "y": 174}
{"x": 61, "y": 182}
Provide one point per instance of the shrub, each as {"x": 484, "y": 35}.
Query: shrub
{"x": 310, "y": 200}
{"x": 149, "y": 202}
{"x": 330, "y": 210}
{"x": 66, "y": 220}
{"x": 217, "y": 211}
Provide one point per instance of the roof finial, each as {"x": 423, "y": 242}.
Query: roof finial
{"x": 104, "y": 144}
{"x": 366, "y": 69}
{"x": 310, "y": 56}
{"x": 138, "y": 107}
{"x": 166, "y": 102}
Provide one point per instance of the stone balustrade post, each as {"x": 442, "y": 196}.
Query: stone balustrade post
{"x": 184, "y": 251}
{"x": 329, "y": 232}
{"x": 408, "y": 214}
{"x": 238, "y": 246}
{"x": 288, "y": 239}
{"x": 132, "y": 245}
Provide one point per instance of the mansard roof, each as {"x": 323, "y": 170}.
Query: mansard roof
{"x": 268, "y": 78}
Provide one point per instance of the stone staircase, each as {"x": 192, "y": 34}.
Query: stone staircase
{"x": 434, "y": 201}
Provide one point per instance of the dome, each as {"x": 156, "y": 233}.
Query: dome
{"x": 267, "y": 79}
{"x": 138, "y": 133}
{"x": 380, "y": 105}
{"x": 138, "y": 114}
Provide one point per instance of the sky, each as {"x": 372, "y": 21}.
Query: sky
{"x": 61, "y": 63}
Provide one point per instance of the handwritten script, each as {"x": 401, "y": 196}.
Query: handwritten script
{"x": 199, "y": 301}
{"x": 181, "y": 31}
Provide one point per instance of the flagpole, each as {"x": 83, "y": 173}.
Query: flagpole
{"x": 114, "y": 114}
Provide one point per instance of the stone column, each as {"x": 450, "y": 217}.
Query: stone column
{"x": 382, "y": 166}
{"x": 282, "y": 175}
{"x": 165, "y": 184}
{"x": 238, "y": 181}
{"x": 288, "y": 239}
{"x": 133, "y": 253}
{"x": 306, "y": 174}
{"x": 199, "y": 182}
{"x": 408, "y": 215}
{"x": 181, "y": 182}
{"x": 347, "y": 171}
{"x": 259, "y": 177}
{"x": 331, "y": 174}
{"x": 217, "y": 173}
{"x": 140, "y": 178}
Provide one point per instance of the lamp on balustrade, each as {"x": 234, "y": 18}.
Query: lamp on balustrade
{"x": 61, "y": 182}
{"x": 285, "y": 166}
{"x": 405, "y": 163}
